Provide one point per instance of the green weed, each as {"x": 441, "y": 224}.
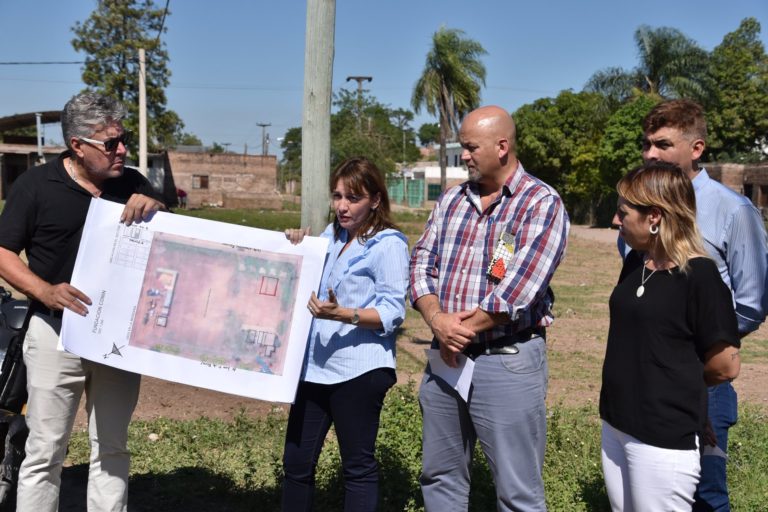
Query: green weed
{"x": 208, "y": 464}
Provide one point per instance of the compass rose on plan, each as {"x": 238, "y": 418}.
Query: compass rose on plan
{"x": 114, "y": 352}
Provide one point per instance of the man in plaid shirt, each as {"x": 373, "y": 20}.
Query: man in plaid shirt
{"x": 480, "y": 277}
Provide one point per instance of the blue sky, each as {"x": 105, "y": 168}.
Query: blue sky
{"x": 236, "y": 63}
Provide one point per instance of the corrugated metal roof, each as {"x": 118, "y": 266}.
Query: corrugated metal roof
{"x": 23, "y": 120}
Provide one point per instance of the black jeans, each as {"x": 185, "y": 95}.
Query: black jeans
{"x": 353, "y": 407}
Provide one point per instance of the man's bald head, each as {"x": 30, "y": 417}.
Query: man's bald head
{"x": 493, "y": 121}
{"x": 487, "y": 138}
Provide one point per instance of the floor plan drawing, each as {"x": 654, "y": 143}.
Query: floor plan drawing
{"x": 132, "y": 247}
{"x": 216, "y": 303}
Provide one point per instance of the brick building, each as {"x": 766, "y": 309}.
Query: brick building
{"x": 228, "y": 180}
{"x": 748, "y": 179}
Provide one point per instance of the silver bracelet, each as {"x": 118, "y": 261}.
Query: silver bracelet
{"x": 431, "y": 319}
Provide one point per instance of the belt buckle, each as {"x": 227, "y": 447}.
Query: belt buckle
{"x": 510, "y": 349}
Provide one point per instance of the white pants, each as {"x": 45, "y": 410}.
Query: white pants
{"x": 643, "y": 478}
{"x": 56, "y": 381}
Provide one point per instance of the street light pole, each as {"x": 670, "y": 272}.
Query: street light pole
{"x": 263, "y": 137}
{"x": 360, "y": 80}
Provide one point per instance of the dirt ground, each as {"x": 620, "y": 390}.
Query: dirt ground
{"x": 576, "y": 349}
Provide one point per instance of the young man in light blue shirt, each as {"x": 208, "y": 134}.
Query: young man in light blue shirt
{"x": 675, "y": 131}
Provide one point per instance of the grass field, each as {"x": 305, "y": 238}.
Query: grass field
{"x": 208, "y": 464}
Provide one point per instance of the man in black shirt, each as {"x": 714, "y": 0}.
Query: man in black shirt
{"x": 44, "y": 216}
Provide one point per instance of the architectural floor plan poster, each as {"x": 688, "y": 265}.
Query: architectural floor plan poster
{"x": 200, "y": 302}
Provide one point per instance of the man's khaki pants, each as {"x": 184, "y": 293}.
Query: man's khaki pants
{"x": 56, "y": 381}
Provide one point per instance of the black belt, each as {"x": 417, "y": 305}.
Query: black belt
{"x": 505, "y": 345}
{"x": 39, "y": 308}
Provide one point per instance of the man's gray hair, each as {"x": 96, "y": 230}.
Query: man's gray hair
{"x": 88, "y": 112}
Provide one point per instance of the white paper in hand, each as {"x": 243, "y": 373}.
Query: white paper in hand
{"x": 459, "y": 378}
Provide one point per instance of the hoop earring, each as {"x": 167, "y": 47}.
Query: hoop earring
{"x": 654, "y": 229}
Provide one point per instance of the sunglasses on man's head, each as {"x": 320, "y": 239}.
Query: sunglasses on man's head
{"x": 109, "y": 144}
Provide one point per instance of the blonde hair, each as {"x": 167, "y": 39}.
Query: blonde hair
{"x": 664, "y": 186}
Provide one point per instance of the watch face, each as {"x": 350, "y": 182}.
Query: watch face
{"x": 355, "y": 317}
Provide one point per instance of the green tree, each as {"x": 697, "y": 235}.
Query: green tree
{"x": 402, "y": 119}
{"x": 615, "y": 84}
{"x": 429, "y": 133}
{"x": 621, "y": 144}
{"x": 449, "y": 86}
{"x": 217, "y": 148}
{"x": 189, "y": 139}
{"x": 381, "y": 135}
{"x": 384, "y": 135}
{"x": 558, "y": 140}
{"x": 671, "y": 65}
{"x": 110, "y": 39}
{"x": 290, "y": 163}
{"x": 739, "y": 120}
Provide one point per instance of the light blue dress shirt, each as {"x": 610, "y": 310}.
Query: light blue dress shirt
{"x": 735, "y": 238}
{"x": 370, "y": 275}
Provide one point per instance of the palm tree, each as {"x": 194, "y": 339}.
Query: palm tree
{"x": 671, "y": 66}
{"x": 450, "y": 84}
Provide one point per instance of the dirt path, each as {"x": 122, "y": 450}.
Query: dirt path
{"x": 603, "y": 235}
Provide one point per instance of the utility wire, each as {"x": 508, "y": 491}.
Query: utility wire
{"x": 162, "y": 23}
{"x": 41, "y": 62}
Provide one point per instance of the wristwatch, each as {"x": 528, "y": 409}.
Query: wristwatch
{"x": 355, "y": 317}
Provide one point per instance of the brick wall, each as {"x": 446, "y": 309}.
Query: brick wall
{"x": 233, "y": 180}
{"x": 748, "y": 179}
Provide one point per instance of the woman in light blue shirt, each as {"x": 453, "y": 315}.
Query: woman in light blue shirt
{"x": 350, "y": 360}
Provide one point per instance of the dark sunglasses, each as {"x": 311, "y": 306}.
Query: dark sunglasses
{"x": 110, "y": 145}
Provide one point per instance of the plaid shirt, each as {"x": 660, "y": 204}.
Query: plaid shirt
{"x": 451, "y": 258}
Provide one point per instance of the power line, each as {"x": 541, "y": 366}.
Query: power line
{"x": 107, "y": 61}
{"x": 36, "y": 63}
{"x": 266, "y": 88}
{"x": 162, "y": 23}
{"x": 213, "y": 87}
{"x": 41, "y": 63}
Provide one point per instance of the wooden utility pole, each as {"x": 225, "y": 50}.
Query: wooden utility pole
{"x": 316, "y": 118}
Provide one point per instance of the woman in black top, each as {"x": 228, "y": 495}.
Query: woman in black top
{"x": 673, "y": 331}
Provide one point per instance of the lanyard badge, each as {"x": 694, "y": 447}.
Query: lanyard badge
{"x": 502, "y": 256}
